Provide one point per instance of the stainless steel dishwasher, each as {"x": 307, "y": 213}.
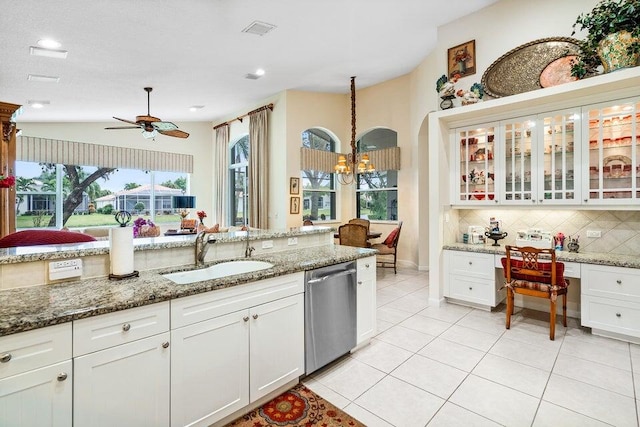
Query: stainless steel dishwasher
{"x": 329, "y": 314}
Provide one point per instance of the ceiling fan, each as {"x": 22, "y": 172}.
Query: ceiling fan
{"x": 151, "y": 126}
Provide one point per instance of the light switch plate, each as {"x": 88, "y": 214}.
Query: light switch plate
{"x": 594, "y": 233}
{"x": 267, "y": 244}
{"x": 292, "y": 241}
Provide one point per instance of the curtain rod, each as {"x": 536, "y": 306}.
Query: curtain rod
{"x": 239, "y": 118}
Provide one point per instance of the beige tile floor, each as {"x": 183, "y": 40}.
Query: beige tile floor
{"x": 457, "y": 366}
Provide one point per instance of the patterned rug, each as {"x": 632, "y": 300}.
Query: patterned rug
{"x": 298, "y": 407}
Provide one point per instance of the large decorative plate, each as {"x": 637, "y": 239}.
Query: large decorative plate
{"x": 521, "y": 69}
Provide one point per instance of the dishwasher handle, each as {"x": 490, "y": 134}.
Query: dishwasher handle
{"x": 331, "y": 276}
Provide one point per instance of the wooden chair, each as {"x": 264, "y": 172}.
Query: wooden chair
{"x": 388, "y": 249}
{"x": 307, "y": 222}
{"x": 536, "y": 273}
{"x": 353, "y": 235}
{"x": 361, "y": 221}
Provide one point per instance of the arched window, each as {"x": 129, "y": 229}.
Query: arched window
{"x": 376, "y": 193}
{"x": 238, "y": 182}
{"x": 318, "y": 187}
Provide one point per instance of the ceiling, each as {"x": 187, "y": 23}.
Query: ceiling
{"x": 193, "y": 52}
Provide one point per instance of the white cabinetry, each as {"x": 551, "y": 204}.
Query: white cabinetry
{"x": 121, "y": 368}
{"x": 470, "y": 277}
{"x": 36, "y": 378}
{"x": 366, "y": 300}
{"x": 610, "y": 300}
{"x": 234, "y": 346}
{"x": 474, "y": 180}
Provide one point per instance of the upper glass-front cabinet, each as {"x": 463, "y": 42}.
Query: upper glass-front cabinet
{"x": 612, "y": 155}
{"x": 474, "y": 179}
{"x": 520, "y": 183}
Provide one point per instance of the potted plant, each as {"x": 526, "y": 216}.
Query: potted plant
{"x": 613, "y": 38}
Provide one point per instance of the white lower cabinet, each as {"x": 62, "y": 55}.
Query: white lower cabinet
{"x": 36, "y": 378}
{"x": 225, "y": 360}
{"x": 470, "y": 277}
{"x": 366, "y": 300}
{"x": 610, "y": 300}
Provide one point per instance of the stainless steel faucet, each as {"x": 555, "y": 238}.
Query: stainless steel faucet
{"x": 249, "y": 249}
{"x": 202, "y": 246}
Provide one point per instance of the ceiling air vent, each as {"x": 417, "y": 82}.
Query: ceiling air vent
{"x": 258, "y": 28}
{"x": 252, "y": 76}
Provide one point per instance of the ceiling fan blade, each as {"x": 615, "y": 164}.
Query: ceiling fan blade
{"x": 164, "y": 126}
{"x": 125, "y": 120}
{"x": 124, "y": 127}
{"x": 175, "y": 132}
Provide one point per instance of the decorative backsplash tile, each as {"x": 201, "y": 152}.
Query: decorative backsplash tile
{"x": 620, "y": 229}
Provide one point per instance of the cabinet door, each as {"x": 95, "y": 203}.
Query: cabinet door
{"x": 41, "y": 397}
{"x": 209, "y": 369}
{"x": 276, "y": 344}
{"x": 366, "y": 300}
{"x": 613, "y": 154}
{"x": 519, "y": 160}
{"x": 474, "y": 171}
{"x": 126, "y": 385}
{"x": 558, "y": 160}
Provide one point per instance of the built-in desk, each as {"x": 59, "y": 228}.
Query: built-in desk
{"x": 609, "y": 286}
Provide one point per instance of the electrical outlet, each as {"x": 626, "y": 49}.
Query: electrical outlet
{"x": 292, "y": 241}
{"x": 594, "y": 233}
{"x": 267, "y": 244}
{"x": 65, "y": 269}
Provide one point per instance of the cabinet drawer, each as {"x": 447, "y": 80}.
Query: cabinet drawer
{"x": 108, "y": 330}
{"x": 471, "y": 290}
{"x": 571, "y": 269}
{"x": 197, "y": 308}
{"x": 34, "y": 349}
{"x": 366, "y": 268}
{"x": 611, "y": 315}
{"x": 611, "y": 282}
{"x": 479, "y": 266}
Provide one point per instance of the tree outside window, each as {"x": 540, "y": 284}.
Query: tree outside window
{"x": 318, "y": 187}
{"x": 238, "y": 182}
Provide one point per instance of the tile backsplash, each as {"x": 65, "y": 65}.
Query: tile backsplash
{"x": 620, "y": 229}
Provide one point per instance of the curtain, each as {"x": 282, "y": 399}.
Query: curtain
{"x": 221, "y": 175}
{"x": 258, "y": 169}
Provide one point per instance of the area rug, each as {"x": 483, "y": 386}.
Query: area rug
{"x": 299, "y": 407}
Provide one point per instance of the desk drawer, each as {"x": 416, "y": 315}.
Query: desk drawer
{"x": 108, "y": 330}
{"x": 34, "y": 349}
{"x": 477, "y": 265}
{"x": 471, "y": 290}
{"x": 611, "y": 315}
{"x": 571, "y": 269}
{"x": 611, "y": 282}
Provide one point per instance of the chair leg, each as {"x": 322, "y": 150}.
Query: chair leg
{"x": 394, "y": 264}
{"x": 552, "y": 320}
{"x": 509, "y": 307}
{"x": 564, "y": 310}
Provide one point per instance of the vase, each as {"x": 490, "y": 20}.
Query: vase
{"x": 613, "y": 52}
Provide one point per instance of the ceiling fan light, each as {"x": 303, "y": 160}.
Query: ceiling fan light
{"x": 149, "y": 135}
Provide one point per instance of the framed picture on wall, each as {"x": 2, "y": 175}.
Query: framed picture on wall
{"x": 461, "y": 59}
{"x": 294, "y": 186}
{"x": 294, "y": 205}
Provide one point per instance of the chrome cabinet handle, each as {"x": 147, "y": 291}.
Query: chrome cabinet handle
{"x": 359, "y": 282}
{"x": 126, "y": 327}
{"x": 366, "y": 265}
{"x": 541, "y": 200}
{"x": 586, "y": 200}
{"x": 245, "y": 318}
{"x": 618, "y": 315}
{"x": 62, "y": 376}
{"x": 5, "y": 357}
{"x": 619, "y": 282}
{"x": 165, "y": 344}
{"x": 255, "y": 316}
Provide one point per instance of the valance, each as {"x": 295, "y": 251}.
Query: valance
{"x": 324, "y": 161}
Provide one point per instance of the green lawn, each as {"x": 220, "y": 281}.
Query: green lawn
{"x": 93, "y": 220}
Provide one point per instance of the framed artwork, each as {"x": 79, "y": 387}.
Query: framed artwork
{"x": 294, "y": 186}
{"x": 461, "y": 59}
{"x": 294, "y": 205}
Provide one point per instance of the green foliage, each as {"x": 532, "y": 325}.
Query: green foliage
{"x": 107, "y": 209}
{"x": 608, "y": 17}
{"x": 139, "y": 206}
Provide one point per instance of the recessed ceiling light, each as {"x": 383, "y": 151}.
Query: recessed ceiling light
{"x": 38, "y": 104}
{"x": 49, "y": 44}
{"x": 49, "y": 53}
{"x": 196, "y": 107}
{"x": 258, "y": 28}
{"x": 43, "y": 79}
{"x": 259, "y": 72}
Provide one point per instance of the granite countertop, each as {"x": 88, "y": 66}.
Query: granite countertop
{"x": 23, "y": 309}
{"x": 585, "y": 258}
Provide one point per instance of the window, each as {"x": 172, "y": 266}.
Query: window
{"x": 55, "y": 195}
{"x": 376, "y": 193}
{"x": 238, "y": 183}
{"x": 318, "y": 188}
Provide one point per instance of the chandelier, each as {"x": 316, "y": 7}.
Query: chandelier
{"x": 351, "y": 163}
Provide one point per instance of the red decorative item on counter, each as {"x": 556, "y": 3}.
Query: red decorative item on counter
{"x": 201, "y": 215}
{"x": 7, "y": 181}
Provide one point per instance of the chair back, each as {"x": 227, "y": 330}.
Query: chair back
{"x": 360, "y": 221}
{"x": 532, "y": 264}
{"x": 353, "y": 235}
{"x": 307, "y": 222}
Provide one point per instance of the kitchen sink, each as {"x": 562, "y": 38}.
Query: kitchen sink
{"x": 216, "y": 271}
